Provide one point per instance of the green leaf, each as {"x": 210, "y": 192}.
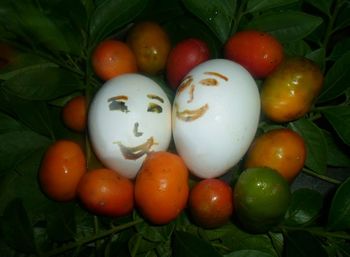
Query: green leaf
{"x": 16, "y": 228}
{"x": 261, "y": 5}
{"x": 34, "y": 25}
{"x": 340, "y": 48}
{"x": 61, "y": 224}
{"x": 318, "y": 56}
{"x": 237, "y": 239}
{"x": 339, "y": 118}
{"x": 111, "y": 15}
{"x": 23, "y": 62}
{"x": 322, "y": 5}
{"x": 302, "y": 244}
{"x": 188, "y": 245}
{"x": 316, "y": 144}
{"x": 337, "y": 156}
{"x": 154, "y": 233}
{"x": 39, "y": 119}
{"x": 304, "y": 208}
{"x": 343, "y": 18}
{"x": 339, "y": 212}
{"x": 248, "y": 253}
{"x": 8, "y": 124}
{"x": 296, "y": 48}
{"x": 287, "y": 26}
{"x": 18, "y": 145}
{"x": 337, "y": 79}
{"x": 217, "y": 15}
{"x": 44, "y": 83}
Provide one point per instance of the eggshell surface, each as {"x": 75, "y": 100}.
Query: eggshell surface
{"x": 215, "y": 116}
{"x": 128, "y": 117}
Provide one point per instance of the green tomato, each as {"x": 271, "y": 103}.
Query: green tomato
{"x": 261, "y": 197}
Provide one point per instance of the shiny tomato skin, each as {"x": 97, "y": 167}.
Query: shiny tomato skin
{"x": 259, "y": 52}
{"x": 289, "y": 92}
{"x": 151, "y": 45}
{"x": 183, "y": 57}
{"x": 211, "y": 203}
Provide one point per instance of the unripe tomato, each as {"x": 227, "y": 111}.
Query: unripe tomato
{"x": 289, "y": 92}
{"x": 259, "y": 52}
{"x": 186, "y": 55}
{"x": 211, "y": 203}
{"x": 281, "y": 149}
{"x": 61, "y": 169}
{"x": 151, "y": 45}
{"x": 261, "y": 197}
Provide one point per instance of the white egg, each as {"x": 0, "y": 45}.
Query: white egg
{"x": 216, "y": 113}
{"x": 128, "y": 117}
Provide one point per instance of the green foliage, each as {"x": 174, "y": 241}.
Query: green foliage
{"x": 53, "y": 40}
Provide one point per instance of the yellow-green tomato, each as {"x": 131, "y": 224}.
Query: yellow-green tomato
{"x": 289, "y": 92}
{"x": 151, "y": 45}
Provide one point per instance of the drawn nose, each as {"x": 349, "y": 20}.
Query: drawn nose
{"x": 136, "y": 131}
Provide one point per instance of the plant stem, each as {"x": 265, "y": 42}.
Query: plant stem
{"x": 323, "y": 177}
{"x": 90, "y": 239}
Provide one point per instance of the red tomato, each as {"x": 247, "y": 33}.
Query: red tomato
{"x": 211, "y": 203}
{"x": 259, "y": 52}
{"x": 184, "y": 57}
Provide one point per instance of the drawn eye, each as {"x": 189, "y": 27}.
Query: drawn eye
{"x": 117, "y": 105}
{"x": 152, "y": 107}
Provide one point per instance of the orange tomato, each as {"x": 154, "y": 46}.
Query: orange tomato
{"x": 105, "y": 192}
{"x": 259, "y": 52}
{"x": 112, "y": 58}
{"x": 61, "y": 169}
{"x": 161, "y": 187}
{"x": 151, "y": 45}
{"x": 281, "y": 149}
{"x": 289, "y": 92}
{"x": 211, "y": 203}
{"x": 74, "y": 113}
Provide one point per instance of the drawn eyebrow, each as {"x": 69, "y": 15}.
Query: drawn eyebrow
{"x": 216, "y": 74}
{"x": 155, "y": 97}
{"x": 118, "y": 98}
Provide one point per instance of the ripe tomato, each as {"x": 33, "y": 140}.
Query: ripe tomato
{"x": 261, "y": 197}
{"x": 281, "y": 149}
{"x": 161, "y": 187}
{"x": 105, "y": 192}
{"x": 151, "y": 45}
{"x": 74, "y": 113}
{"x": 112, "y": 58}
{"x": 184, "y": 57}
{"x": 289, "y": 92}
{"x": 61, "y": 169}
{"x": 211, "y": 203}
{"x": 259, "y": 52}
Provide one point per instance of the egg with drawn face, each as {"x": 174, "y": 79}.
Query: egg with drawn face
{"x": 215, "y": 116}
{"x": 129, "y": 117}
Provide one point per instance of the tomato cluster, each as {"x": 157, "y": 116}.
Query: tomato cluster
{"x": 161, "y": 189}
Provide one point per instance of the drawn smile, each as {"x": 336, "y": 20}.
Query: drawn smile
{"x": 191, "y": 115}
{"x": 135, "y": 152}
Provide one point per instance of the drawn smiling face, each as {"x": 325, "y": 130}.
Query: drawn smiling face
{"x": 188, "y": 89}
{"x": 119, "y": 103}
{"x": 129, "y": 117}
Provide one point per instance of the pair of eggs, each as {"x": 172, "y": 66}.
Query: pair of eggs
{"x": 213, "y": 119}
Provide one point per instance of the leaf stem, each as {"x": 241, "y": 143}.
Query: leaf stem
{"x": 323, "y": 177}
{"x": 90, "y": 239}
